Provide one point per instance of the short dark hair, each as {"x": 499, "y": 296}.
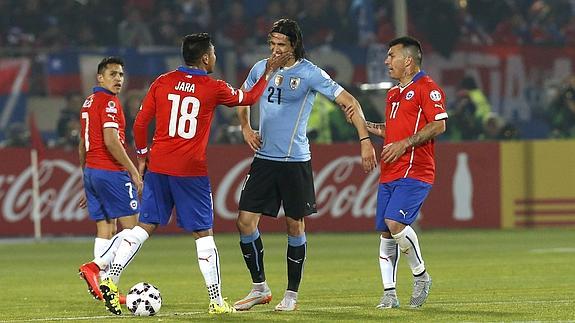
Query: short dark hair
{"x": 194, "y": 46}
{"x": 291, "y": 29}
{"x": 411, "y": 45}
{"x": 109, "y": 60}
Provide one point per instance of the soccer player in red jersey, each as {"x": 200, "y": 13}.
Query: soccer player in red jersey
{"x": 111, "y": 181}
{"x": 183, "y": 103}
{"x": 414, "y": 116}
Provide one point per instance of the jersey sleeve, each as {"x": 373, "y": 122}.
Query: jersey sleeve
{"x": 110, "y": 113}
{"x": 433, "y": 102}
{"x": 231, "y": 97}
{"x": 321, "y": 82}
{"x": 143, "y": 119}
{"x": 254, "y": 74}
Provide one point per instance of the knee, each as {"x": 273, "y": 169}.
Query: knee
{"x": 394, "y": 226}
{"x": 245, "y": 225}
{"x": 295, "y": 228}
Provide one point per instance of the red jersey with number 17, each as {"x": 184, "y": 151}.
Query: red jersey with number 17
{"x": 102, "y": 109}
{"x": 408, "y": 109}
{"x": 183, "y": 103}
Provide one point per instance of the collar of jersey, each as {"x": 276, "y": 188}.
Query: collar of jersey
{"x": 192, "y": 71}
{"x": 290, "y": 67}
{"x": 102, "y": 89}
{"x": 419, "y": 75}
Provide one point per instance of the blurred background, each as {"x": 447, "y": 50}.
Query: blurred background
{"x": 507, "y": 67}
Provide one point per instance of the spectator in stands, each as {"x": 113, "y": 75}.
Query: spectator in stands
{"x": 314, "y": 23}
{"x": 479, "y": 100}
{"x": 196, "y": 15}
{"x": 134, "y": 32}
{"x": 68, "y": 120}
{"x": 234, "y": 31}
{"x": 166, "y": 32}
{"x": 16, "y": 135}
{"x": 561, "y": 112}
{"x": 266, "y": 20}
{"x": 343, "y": 28}
{"x": 291, "y": 9}
{"x": 496, "y": 128}
{"x": 464, "y": 125}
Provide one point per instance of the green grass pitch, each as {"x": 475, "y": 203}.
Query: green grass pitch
{"x": 478, "y": 275}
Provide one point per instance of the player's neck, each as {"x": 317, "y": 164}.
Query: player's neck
{"x": 404, "y": 81}
{"x": 290, "y": 63}
{"x": 198, "y": 68}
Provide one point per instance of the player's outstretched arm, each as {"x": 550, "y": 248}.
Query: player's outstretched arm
{"x": 117, "y": 151}
{"x": 345, "y": 99}
{"x": 376, "y": 128}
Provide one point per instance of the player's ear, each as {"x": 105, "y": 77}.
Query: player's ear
{"x": 100, "y": 78}
{"x": 206, "y": 59}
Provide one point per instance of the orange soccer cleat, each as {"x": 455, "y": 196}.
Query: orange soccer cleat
{"x": 90, "y": 272}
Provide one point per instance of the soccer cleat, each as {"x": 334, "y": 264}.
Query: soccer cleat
{"x": 111, "y": 296}
{"x": 255, "y": 297}
{"x": 388, "y": 301}
{"x": 288, "y": 303}
{"x": 216, "y": 308}
{"x": 420, "y": 292}
{"x": 90, "y": 272}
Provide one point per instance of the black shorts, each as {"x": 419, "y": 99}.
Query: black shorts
{"x": 271, "y": 183}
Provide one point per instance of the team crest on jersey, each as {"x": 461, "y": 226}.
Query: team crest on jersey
{"x": 134, "y": 204}
{"x": 278, "y": 79}
{"x": 409, "y": 95}
{"x": 435, "y": 95}
{"x": 294, "y": 82}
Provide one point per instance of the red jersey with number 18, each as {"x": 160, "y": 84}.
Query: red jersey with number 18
{"x": 101, "y": 110}
{"x": 408, "y": 109}
{"x": 183, "y": 103}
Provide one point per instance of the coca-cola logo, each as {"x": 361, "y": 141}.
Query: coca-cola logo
{"x": 58, "y": 201}
{"x": 338, "y": 191}
{"x": 341, "y": 189}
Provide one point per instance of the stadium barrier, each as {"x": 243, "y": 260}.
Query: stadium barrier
{"x": 478, "y": 185}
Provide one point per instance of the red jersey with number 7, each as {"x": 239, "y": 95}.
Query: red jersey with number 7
{"x": 100, "y": 110}
{"x": 408, "y": 109}
{"x": 183, "y": 103}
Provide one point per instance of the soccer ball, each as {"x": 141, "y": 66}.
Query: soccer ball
{"x": 144, "y": 299}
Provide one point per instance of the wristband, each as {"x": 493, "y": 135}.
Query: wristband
{"x": 364, "y": 138}
{"x": 142, "y": 151}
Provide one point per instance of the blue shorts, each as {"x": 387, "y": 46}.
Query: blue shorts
{"x": 110, "y": 194}
{"x": 400, "y": 201}
{"x": 192, "y": 197}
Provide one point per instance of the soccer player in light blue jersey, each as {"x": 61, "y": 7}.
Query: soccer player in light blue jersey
{"x": 281, "y": 172}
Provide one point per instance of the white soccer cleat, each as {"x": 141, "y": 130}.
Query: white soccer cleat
{"x": 388, "y": 301}
{"x": 288, "y": 303}
{"x": 255, "y": 297}
{"x": 420, "y": 292}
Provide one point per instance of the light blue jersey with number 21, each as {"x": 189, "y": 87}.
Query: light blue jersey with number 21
{"x": 285, "y": 107}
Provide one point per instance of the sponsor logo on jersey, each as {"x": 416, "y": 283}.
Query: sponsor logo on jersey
{"x": 294, "y": 82}
{"x": 278, "y": 79}
{"x": 409, "y": 95}
{"x": 111, "y": 110}
{"x": 435, "y": 95}
{"x": 88, "y": 101}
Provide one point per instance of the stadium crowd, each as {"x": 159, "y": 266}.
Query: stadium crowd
{"x": 36, "y": 27}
